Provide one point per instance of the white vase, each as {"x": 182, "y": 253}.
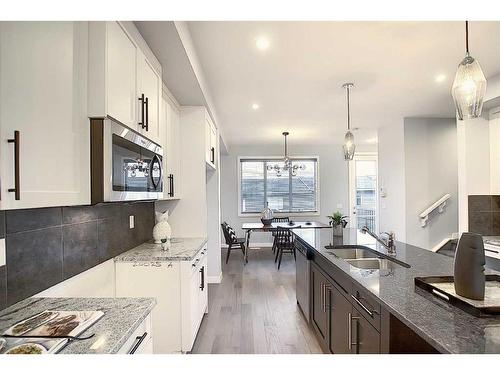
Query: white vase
{"x": 162, "y": 228}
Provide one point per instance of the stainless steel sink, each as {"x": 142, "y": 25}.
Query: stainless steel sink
{"x": 364, "y": 257}
{"x": 366, "y": 264}
{"x": 353, "y": 253}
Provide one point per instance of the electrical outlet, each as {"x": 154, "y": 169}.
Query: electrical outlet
{"x": 131, "y": 221}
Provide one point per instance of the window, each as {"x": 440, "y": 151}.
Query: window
{"x": 283, "y": 191}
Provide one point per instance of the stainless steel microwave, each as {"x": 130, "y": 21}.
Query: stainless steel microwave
{"x": 125, "y": 165}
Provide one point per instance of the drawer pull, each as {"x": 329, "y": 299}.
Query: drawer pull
{"x": 16, "y": 189}
{"x": 139, "y": 340}
{"x": 368, "y": 311}
{"x": 350, "y": 318}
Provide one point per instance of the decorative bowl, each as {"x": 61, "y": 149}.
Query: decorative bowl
{"x": 266, "y": 221}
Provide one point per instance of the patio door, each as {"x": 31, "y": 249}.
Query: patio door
{"x": 363, "y": 188}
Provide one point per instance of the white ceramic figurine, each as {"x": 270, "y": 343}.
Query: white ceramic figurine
{"x": 162, "y": 228}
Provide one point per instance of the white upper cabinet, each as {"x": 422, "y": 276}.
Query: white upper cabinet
{"x": 149, "y": 87}
{"x": 43, "y": 103}
{"x": 172, "y": 180}
{"x": 210, "y": 143}
{"x": 121, "y": 57}
{"x": 123, "y": 82}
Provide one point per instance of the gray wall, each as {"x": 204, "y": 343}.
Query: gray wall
{"x": 333, "y": 175}
{"x": 391, "y": 171}
{"x": 431, "y": 171}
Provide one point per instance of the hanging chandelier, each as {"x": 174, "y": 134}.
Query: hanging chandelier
{"x": 287, "y": 163}
{"x": 469, "y": 85}
{"x": 349, "y": 146}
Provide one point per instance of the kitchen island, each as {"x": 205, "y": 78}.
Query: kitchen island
{"x": 124, "y": 320}
{"x": 390, "y": 314}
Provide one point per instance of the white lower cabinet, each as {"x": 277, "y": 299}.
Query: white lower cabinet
{"x": 180, "y": 289}
{"x": 141, "y": 341}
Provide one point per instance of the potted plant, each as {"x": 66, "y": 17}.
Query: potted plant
{"x": 338, "y": 222}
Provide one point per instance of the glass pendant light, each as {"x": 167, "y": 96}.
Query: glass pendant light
{"x": 469, "y": 85}
{"x": 349, "y": 146}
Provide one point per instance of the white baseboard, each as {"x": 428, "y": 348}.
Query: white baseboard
{"x": 215, "y": 279}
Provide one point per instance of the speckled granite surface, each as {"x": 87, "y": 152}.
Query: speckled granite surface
{"x": 181, "y": 249}
{"x": 447, "y": 328}
{"x": 121, "y": 317}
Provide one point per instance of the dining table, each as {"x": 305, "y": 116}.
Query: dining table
{"x": 260, "y": 227}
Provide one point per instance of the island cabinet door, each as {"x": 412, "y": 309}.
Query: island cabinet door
{"x": 319, "y": 314}
{"x": 365, "y": 339}
{"x": 340, "y": 310}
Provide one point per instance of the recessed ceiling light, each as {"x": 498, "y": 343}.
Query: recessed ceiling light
{"x": 262, "y": 43}
{"x": 440, "y": 78}
{"x": 255, "y": 106}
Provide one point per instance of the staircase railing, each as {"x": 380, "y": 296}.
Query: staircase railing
{"x": 439, "y": 205}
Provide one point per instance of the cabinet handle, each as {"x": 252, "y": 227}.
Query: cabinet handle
{"x": 16, "y": 188}
{"x": 147, "y": 114}
{"x": 368, "y": 311}
{"x": 139, "y": 339}
{"x": 212, "y": 155}
{"x": 171, "y": 185}
{"x": 202, "y": 271}
{"x": 350, "y": 318}
{"x": 141, "y": 99}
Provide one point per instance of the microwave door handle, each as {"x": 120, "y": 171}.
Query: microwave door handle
{"x": 153, "y": 160}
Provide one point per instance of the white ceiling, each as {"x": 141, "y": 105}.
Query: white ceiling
{"x": 297, "y": 80}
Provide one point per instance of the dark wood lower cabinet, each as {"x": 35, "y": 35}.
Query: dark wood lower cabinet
{"x": 339, "y": 326}
{"x": 365, "y": 338}
{"x": 340, "y": 308}
{"x": 319, "y": 314}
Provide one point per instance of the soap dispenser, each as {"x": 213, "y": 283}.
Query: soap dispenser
{"x": 469, "y": 267}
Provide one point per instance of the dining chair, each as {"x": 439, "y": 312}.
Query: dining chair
{"x": 284, "y": 243}
{"x": 281, "y": 219}
{"x": 232, "y": 240}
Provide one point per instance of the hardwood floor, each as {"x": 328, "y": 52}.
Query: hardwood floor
{"x": 254, "y": 309}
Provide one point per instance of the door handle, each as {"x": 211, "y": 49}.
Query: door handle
{"x": 16, "y": 190}
{"x": 202, "y": 272}
{"x": 139, "y": 339}
{"x": 142, "y": 100}
{"x": 171, "y": 185}
{"x": 368, "y": 311}
{"x": 212, "y": 155}
{"x": 147, "y": 114}
{"x": 350, "y": 318}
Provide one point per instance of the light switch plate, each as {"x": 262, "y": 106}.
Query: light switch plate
{"x": 131, "y": 222}
{"x": 3, "y": 257}
{"x": 339, "y": 205}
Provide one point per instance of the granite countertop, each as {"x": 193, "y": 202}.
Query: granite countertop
{"x": 180, "y": 249}
{"x": 121, "y": 318}
{"x": 447, "y": 328}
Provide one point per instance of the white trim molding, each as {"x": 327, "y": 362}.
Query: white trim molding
{"x": 215, "y": 279}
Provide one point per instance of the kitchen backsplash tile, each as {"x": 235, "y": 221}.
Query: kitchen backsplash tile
{"x": 484, "y": 214}
{"x": 2, "y": 224}
{"x": 34, "y": 262}
{"x": 3, "y": 287}
{"x": 79, "y": 248}
{"x": 78, "y": 214}
{"x": 32, "y": 219}
{"x": 48, "y": 245}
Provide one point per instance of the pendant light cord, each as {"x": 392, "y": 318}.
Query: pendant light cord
{"x": 467, "y": 37}
{"x": 348, "y": 110}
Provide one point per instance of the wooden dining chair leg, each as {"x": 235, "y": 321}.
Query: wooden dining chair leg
{"x": 228, "y": 252}
{"x": 274, "y": 244}
{"x": 281, "y": 256}
{"x": 277, "y": 253}
{"x": 294, "y": 255}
